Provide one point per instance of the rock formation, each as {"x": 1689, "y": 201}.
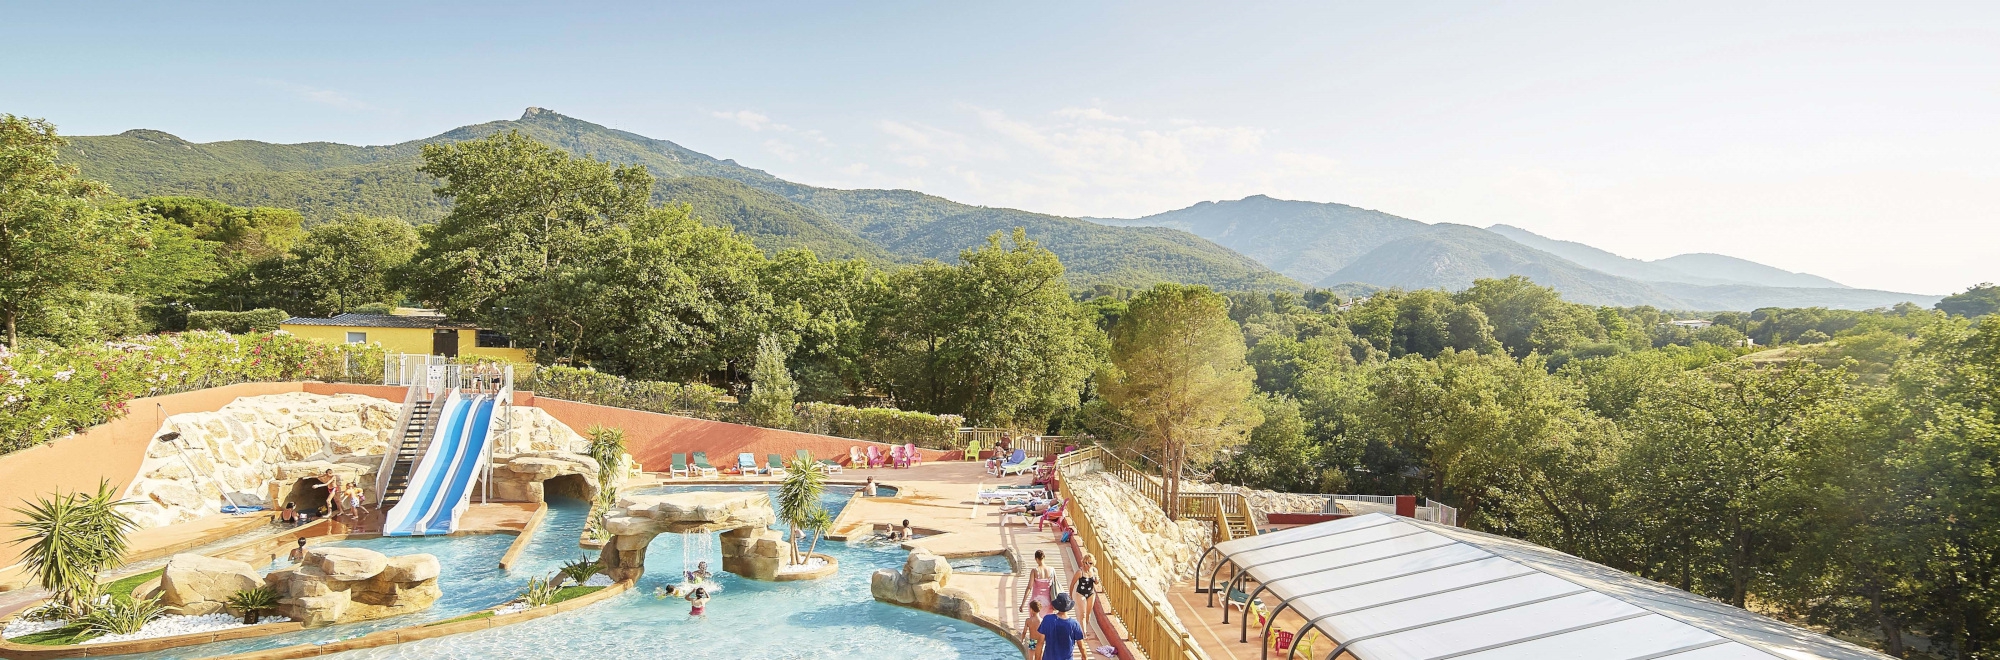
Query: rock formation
{"x": 194, "y": 584}
{"x": 341, "y": 585}
{"x": 749, "y": 547}
{"x": 924, "y": 584}
{"x": 1158, "y": 552}
{"x": 256, "y": 448}
{"x": 522, "y": 477}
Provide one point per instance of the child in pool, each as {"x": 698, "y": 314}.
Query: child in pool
{"x": 700, "y": 601}
{"x": 700, "y": 573}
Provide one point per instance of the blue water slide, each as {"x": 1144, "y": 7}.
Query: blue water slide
{"x": 407, "y": 517}
{"x": 451, "y": 501}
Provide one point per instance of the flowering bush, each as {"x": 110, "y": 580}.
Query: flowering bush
{"x": 50, "y": 393}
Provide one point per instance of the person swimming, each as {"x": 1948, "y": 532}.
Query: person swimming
{"x": 699, "y": 599}
{"x": 700, "y": 573}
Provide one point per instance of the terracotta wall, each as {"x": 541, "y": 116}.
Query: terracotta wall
{"x": 653, "y": 438}
{"x": 110, "y": 451}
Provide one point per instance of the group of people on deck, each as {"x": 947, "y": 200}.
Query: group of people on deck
{"x": 1054, "y": 622}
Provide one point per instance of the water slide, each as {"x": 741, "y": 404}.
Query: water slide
{"x": 441, "y": 483}
{"x": 457, "y": 492}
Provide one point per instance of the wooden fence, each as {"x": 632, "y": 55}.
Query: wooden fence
{"x": 1146, "y": 623}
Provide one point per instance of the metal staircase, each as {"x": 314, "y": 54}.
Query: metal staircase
{"x": 415, "y": 432}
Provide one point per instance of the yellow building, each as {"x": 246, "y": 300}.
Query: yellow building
{"x": 418, "y": 334}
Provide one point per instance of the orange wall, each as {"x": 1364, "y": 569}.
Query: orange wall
{"x": 110, "y": 451}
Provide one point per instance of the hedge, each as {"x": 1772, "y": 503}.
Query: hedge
{"x": 879, "y": 424}
{"x": 53, "y": 392}
{"x": 586, "y": 386}
{"x": 256, "y": 320}
{"x": 699, "y": 400}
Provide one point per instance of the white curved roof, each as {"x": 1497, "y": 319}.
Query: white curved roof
{"x": 1400, "y": 589}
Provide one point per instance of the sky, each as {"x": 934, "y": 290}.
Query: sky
{"x": 1855, "y": 141}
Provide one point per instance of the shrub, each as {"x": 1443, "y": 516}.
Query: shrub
{"x": 256, "y": 320}
{"x": 878, "y": 424}
{"x": 540, "y": 591}
{"x": 87, "y": 317}
{"x": 253, "y": 602}
{"x": 587, "y": 386}
{"x": 51, "y": 392}
{"x": 120, "y": 616}
{"x": 71, "y": 538}
{"x": 577, "y": 571}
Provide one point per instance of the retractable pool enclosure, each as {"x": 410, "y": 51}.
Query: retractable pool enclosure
{"x": 1383, "y": 587}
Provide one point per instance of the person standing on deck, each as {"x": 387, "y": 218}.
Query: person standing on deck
{"x": 1062, "y": 636}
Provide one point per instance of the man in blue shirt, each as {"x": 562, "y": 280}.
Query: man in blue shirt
{"x": 1061, "y": 634}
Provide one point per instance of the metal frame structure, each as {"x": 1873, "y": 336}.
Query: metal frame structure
{"x": 1391, "y": 588}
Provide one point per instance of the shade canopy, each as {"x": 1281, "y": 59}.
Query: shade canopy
{"x": 1392, "y": 588}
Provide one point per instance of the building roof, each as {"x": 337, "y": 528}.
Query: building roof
{"x": 1392, "y": 588}
{"x": 352, "y": 319}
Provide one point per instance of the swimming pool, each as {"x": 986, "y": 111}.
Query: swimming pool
{"x": 829, "y": 618}
{"x": 983, "y": 564}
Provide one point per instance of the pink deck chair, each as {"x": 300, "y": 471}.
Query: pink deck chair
{"x": 911, "y": 454}
{"x": 875, "y": 458}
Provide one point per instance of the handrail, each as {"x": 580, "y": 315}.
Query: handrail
{"x": 1145, "y": 623}
{"x": 402, "y": 427}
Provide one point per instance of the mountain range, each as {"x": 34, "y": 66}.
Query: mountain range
{"x": 1353, "y": 249}
{"x": 1256, "y": 243}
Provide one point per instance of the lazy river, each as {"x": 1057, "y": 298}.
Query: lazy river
{"x": 831, "y": 617}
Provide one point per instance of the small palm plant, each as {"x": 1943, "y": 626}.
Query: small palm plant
{"x": 71, "y": 539}
{"x": 122, "y": 616}
{"x": 540, "y": 591}
{"x": 607, "y": 447}
{"x": 253, "y": 603}
{"x": 798, "y": 496}
{"x": 577, "y": 571}
{"x": 819, "y": 521}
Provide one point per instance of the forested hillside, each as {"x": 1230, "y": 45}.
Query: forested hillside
{"x": 325, "y": 180}
{"x": 1353, "y": 249}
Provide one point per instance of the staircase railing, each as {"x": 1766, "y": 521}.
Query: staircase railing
{"x": 415, "y": 393}
{"x": 1145, "y": 620}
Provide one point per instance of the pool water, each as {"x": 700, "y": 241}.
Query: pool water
{"x": 983, "y": 564}
{"x": 826, "y": 618}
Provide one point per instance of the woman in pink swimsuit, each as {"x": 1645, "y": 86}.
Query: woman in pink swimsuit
{"x": 1041, "y": 579}
{"x": 700, "y": 600}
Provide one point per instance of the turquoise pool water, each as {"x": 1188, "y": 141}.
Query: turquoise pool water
{"x": 834, "y": 617}
{"x": 983, "y": 564}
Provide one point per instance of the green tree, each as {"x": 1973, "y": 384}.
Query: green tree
{"x": 520, "y": 211}
{"x": 346, "y": 263}
{"x": 996, "y": 338}
{"x": 1973, "y": 302}
{"x": 772, "y": 392}
{"x": 55, "y": 234}
{"x": 1177, "y": 373}
{"x": 798, "y": 499}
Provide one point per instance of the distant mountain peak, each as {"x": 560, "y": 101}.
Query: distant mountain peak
{"x": 534, "y": 111}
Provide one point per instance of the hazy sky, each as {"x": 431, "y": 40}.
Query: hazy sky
{"x": 1857, "y": 142}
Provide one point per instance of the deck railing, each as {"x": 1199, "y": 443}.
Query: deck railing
{"x": 1146, "y": 624}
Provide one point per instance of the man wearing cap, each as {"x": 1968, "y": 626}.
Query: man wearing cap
{"x": 1062, "y": 636}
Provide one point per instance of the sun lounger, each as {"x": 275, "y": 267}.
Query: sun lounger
{"x": 746, "y": 463}
{"x": 1010, "y": 495}
{"x": 1019, "y": 463}
{"x": 680, "y": 466}
{"x": 701, "y": 464}
{"x": 774, "y": 466}
{"x": 829, "y": 464}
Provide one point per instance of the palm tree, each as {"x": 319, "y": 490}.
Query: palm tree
{"x": 818, "y": 522}
{"x": 798, "y": 496}
{"x": 73, "y": 537}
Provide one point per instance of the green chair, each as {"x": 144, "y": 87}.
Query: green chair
{"x": 774, "y": 466}
{"x": 972, "y": 450}
{"x": 701, "y": 464}
{"x": 680, "y": 466}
